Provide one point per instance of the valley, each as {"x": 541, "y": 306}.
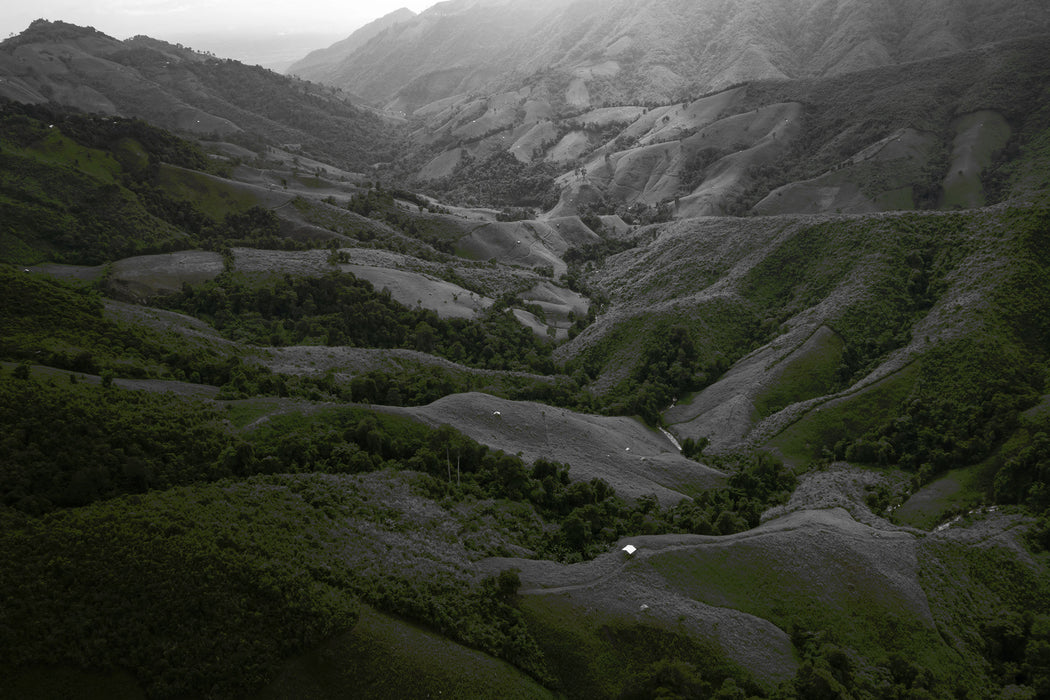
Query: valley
{"x": 359, "y": 387}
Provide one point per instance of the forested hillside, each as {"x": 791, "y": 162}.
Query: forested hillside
{"x": 736, "y": 396}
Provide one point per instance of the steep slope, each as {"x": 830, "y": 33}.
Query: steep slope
{"x": 583, "y": 53}
{"x": 804, "y": 334}
{"x": 939, "y": 133}
{"x": 877, "y": 592}
{"x": 449, "y": 49}
{"x": 318, "y": 65}
{"x": 183, "y": 90}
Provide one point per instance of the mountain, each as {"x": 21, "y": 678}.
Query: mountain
{"x": 585, "y": 53}
{"x": 742, "y": 395}
{"x": 942, "y": 133}
{"x": 798, "y": 107}
{"x": 181, "y": 89}
{"x": 317, "y": 64}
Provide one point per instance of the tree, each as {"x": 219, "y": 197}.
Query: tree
{"x": 667, "y": 679}
{"x": 576, "y": 532}
{"x": 508, "y": 582}
{"x": 424, "y": 337}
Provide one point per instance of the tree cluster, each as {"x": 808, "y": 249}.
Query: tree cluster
{"x": 338, "y": 309}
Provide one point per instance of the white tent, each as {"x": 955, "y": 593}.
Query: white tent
{"x": 630, "y": 549}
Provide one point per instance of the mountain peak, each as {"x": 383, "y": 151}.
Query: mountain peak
{"x": 54, "y": 31}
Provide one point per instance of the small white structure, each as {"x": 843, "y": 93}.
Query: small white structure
{"x": 497, "y": 414}
{"x": 630, "y": 549}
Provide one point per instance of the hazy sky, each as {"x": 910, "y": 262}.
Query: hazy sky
{"x": 164, "y": 19}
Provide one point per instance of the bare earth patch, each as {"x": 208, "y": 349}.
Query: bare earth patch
{"x": 633, "y": 459}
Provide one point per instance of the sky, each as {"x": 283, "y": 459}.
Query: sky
{"x": 266, "y": 32}
{"x": 164, "y": 19}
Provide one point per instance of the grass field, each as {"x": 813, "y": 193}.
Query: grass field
{"x": 384, "y": 657}
{"x": 844, "y": 418}
{"x": 213, "y": 196}
{"x": 817, "y": 570}
{"x": 956, "y": 491}
{"x": 807, "y": 373}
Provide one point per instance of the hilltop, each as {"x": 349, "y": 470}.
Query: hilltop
{"x": 180, "y": 89}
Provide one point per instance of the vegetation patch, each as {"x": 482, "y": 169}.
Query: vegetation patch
{"x": 601, "y": 655}
{"x": 955, "y": 492}
{"x": 809, "y": 372}
{"x": 384, "y": 657}
{"x": 840, "y": 419}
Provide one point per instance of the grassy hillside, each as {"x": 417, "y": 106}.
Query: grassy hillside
{"x": 151, "y": 578}
{"x": 87, "y": 190}
{"x": 386, "y": 657}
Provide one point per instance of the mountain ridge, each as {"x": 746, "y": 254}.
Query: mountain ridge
{"x": 184, "y": 90}
{"x": 339, "y": 51}
{"x": 651, "y": 47}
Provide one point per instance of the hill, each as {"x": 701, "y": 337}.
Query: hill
{"x": 721, "y": 590}
{"x": 316, "y": 65}
{"x": 942, "y": 133}
{"x": 582, "y": 54}
{"x": 271, "y": 428}
{"x": 180, "y": 89}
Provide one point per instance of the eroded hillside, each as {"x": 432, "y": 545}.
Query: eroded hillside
{"x": 939, "y": 134}
{"x": 321, "y": 433}
{"x": 583, "y": 54}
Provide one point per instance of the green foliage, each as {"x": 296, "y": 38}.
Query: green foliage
{"x": 996, "y": 616}
{"x": 667, "y": 679}
{"x": 67, "y": 328}
{"x": 500, "y": 180}
{"x": 385, "y": 657}
{"x": 79, "y": 189}
{"x": 70, "y": 216}
{"x": 87, "y": 190}
{"x": 72, "y": 444}
{"x": 694, "y": 449}
{"x": 601, "y": 655}
{"x": 667, "y": 356}
{"x": 813, "y": 373}
{"x": 380, "y": 205}
{"x": 170, "y": 588}
{"x": 760, "y": 482}
{"x": 339, "y": 309}
{"x": 965, "y": 403}
{"x": 1022, "y": 466}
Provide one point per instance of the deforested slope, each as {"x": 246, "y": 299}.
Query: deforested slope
{"x": 741, "y": 331}
{"x": 584, "y": 53}
{"x": 632, "y": 458}
{"x": 959, "y": 131}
